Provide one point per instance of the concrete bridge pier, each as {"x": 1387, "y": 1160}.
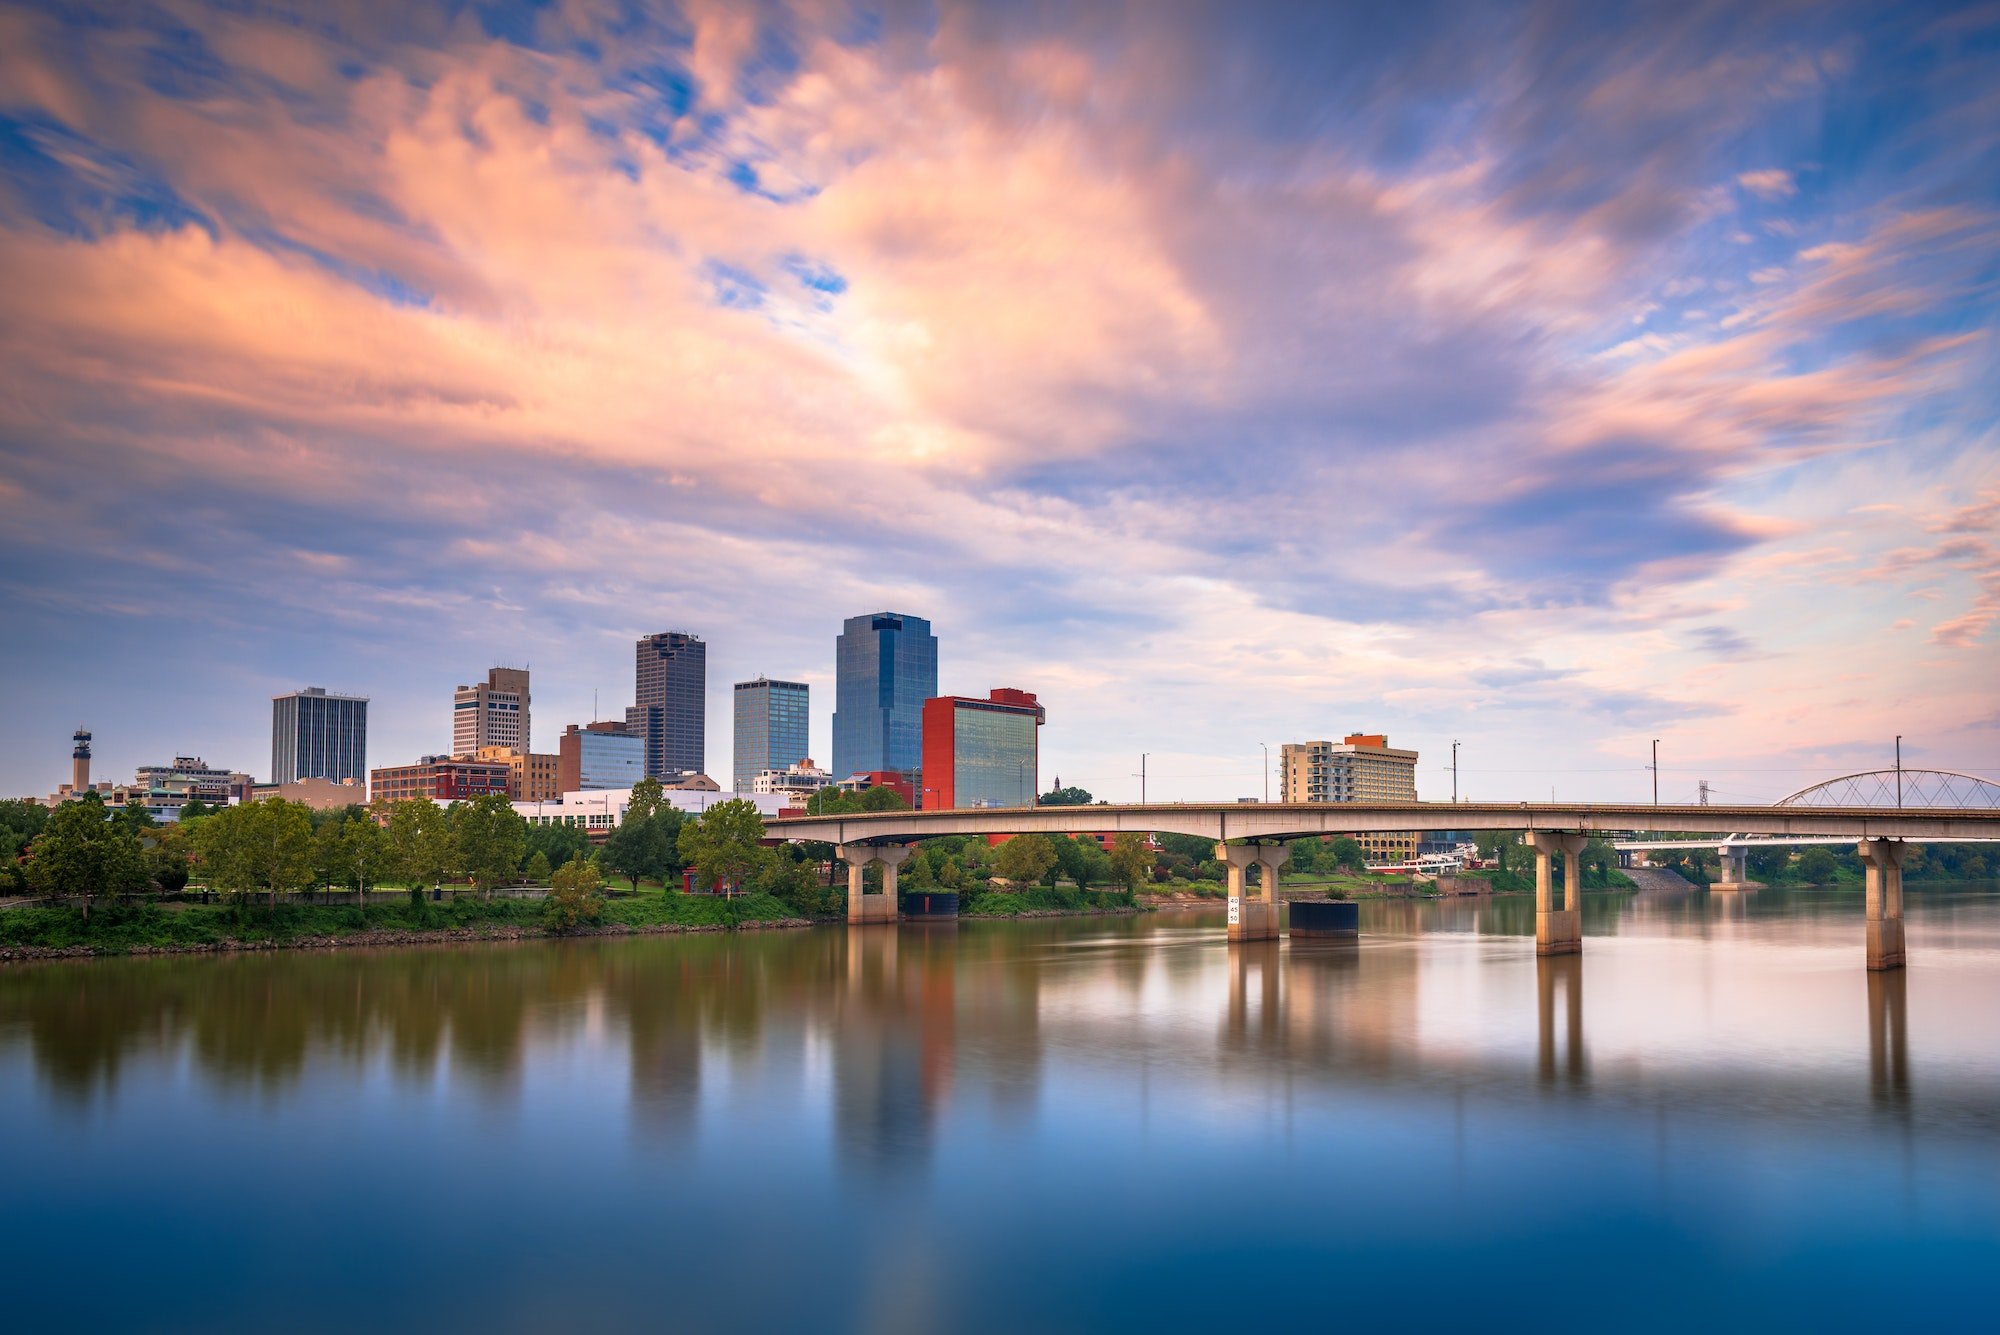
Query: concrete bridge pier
{"x": 1885, "y": 901}
{"x": 1735, "y": 868}
{"x": 862, "y": 907}
{"x": 1253, "y": 919}
{"x": 1558, "y": 931}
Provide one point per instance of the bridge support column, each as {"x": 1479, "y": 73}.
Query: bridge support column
{"x": 1735, "y": 868}
{"x": 1249, "y": 919}
{"x": 862, "y": 907}
{"x": 1885, "y": 901}
{"x": 1558, "y": 931}
{"x": 891, "y": 856}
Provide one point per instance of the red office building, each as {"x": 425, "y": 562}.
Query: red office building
{"x": 981, "y": 753}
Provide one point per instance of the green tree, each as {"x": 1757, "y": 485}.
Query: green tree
{"x": 1025, "y": 859}
{"x": 169, "y": 855}
{"x": 83, "y": 852}
{"x": 648, "y": 796}
{"x": 193, "y": 810}
{"x": 254, "y": 846}
{"x": 1494, "y": 846}
{"x": 573, "y": 897}
{"x": 725, "y": 843}
{"x": 1348, "y": 854}
{"x": 362, "y": 855}
{"x": 538, "y": 870}
{"x": 1818, "y": 866}
{"x": 420, "y": 845}
{"x": 883, "y": 799}
{"x": 558, "y": 843}
{"x": 1071, "y": 862}
{"x": 1131, "y": 860}
{"x": 1064, "y": 797}
{"x": 647, "y": 845}
{"x": 492, "y": 839}
{"x": 136, "y": 817}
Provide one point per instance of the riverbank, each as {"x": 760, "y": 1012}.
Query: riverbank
{"x": 1043, "y": 903}
{"x": 151, "y": 929}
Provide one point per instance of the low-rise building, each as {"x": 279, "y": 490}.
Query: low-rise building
{"x": 798, "y": 781}
{"x": 531, "y": 776}
{"x": 440, "y": 778}
{"x": 982, "y": 753}
{"x": 319, "y": 794}
{"x": 597, "y": 812}
{"x": 904, "y": 785}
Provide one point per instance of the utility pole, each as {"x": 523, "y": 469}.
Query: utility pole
{"x": 1267, "y": 772}
{"x": 1454, "y": 773}
{"x": 1704, "y": 792}
{"x": 1899, "y": 769}
{"x": 1142, "y": 777}
{"x": 1656, "y": 771}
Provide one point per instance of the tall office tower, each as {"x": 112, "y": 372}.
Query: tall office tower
{"x": 885, "y": 667}
{"x": 772, "y": 723}
{"x": 671, "y": 712}
{"x": 493, "y": 713}
{"x": 315, "y": 735}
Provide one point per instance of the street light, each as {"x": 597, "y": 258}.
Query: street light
{"x": 1656, "y": 771}
{"x": 1899, "y": 769}
{"x": 1267, "y": 771}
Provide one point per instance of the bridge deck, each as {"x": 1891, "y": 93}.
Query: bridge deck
{"x": 1280, "y": 821}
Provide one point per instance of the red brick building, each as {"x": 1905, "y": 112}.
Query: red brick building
{"x": 440, "y": 778}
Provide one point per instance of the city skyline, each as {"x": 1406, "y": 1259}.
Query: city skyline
{"x": 1566, "y": 385}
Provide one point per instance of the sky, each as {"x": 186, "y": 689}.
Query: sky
{"x": 1550, "y": 378}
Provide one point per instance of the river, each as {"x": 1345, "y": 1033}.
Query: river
{"x": 1715, "y": 1116}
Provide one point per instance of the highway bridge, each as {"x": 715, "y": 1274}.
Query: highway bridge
{"x": 1260, "y": 833}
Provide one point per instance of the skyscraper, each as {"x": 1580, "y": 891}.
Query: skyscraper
{"x": 493, "y": 713}
{"x": 772, "y": 723}
{"x": 671, "y": 712}
{"x": 315, "y": 735}
{"x": 885, "y": 668}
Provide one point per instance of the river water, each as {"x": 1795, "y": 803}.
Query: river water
{"x": 1714, "y": 1116}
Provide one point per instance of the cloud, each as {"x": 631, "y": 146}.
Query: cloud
{"x": 1770, "y": 183}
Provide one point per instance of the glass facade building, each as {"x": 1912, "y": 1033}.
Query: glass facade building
{"x": 773, "y": 723}
{"x": 885, "y": 668}
{"x": 981, "y": 753}
{"x": 315, "y": 735}
{"x": 671, "y": 703}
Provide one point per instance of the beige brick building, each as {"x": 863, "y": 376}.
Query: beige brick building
{"x": 1361, "y": 767}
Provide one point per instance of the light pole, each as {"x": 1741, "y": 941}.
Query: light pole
{"x": 1267, "y": 772}
{"x": 1656, "y": 771}
{"x": 1142, "y": 777}
{"x": 1454, "y": 773}
{"x": 1899, "y": 769}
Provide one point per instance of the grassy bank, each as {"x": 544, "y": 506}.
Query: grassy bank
{"x": 115, "y": 929}
{"x": 1025, "y": 903}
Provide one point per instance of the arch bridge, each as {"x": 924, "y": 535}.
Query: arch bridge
{"x": 1261, "y": 832}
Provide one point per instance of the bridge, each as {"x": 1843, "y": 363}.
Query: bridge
{"x": 1260, "y": 834}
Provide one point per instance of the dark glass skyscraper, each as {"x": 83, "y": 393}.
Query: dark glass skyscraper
{"x": 885, "y": 667}
{"x": 772, "y": 720}
{"x": 672, "y": 709}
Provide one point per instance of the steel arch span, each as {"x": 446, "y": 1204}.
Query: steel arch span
{"x": 1924, "y": 789}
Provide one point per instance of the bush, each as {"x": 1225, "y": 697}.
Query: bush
{"x": 573, "y": 897}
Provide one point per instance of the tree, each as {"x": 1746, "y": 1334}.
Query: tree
{"x": 255, "y": 846}
{"x": 1818, "y": 866}
{"x": 492, "y": 839}
{"x": 169, "y": 852}
{"x": 1599, "y": 860}
{"x": 1493, "y": 846}
{"x": 1349, "y": 854}
{"x": 1064, "y": 797}
{"x": 1070, "y": 862}
{"x": 193, "y": 810}
{"x": 362, "y": 854}
{"x": 648, "y": 796}
{"x": 538, "y": 870}
{"x": 1131, "y": 860}
{"x": 880, "y": 798}
{"x": 558, "y": 843}
{"x": 647, "y": 845}
{"x": 573, "y": 898}
{"x": 1025, "y": 859}
{"x": 724, "y": 844}
{"x": 83, "y": 852}
{"x": 136, "y": 817}
{"x": 420, "y": 846}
